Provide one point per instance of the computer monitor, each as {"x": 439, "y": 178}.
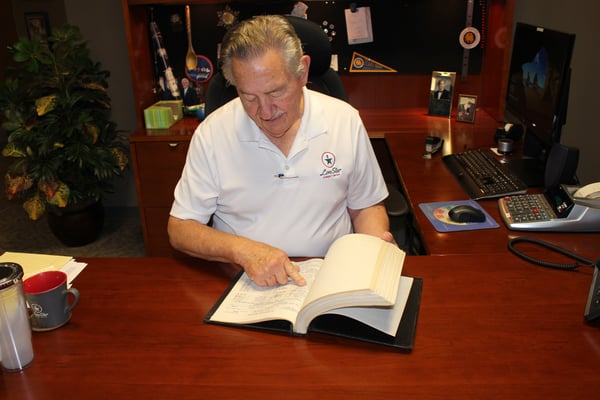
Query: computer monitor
{"x": 538, "y": 91}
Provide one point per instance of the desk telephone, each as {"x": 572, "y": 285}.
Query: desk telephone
{"x": 559, "y": 209}
{"x": 591, "y": 192}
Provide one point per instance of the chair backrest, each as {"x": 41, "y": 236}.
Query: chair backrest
{"x": 321, "y": 77}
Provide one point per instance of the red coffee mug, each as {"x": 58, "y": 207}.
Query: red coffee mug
{"x": 47, "y": 298}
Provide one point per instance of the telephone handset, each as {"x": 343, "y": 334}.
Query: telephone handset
{"x": 590, "y": 192}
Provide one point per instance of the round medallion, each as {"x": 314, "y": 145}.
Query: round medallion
{"x": 203, "y": 71}
{"x": 469, "y": 37}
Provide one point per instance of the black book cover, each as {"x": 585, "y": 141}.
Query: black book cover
{"x": 342, "y": 326}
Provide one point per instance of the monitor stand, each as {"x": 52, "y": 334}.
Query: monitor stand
{"x": 529, "y": 170}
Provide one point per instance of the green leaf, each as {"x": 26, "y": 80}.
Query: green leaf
{"x": 34, "y": 207}
{"x": 45, "y": 104}
{"x": 13, "y": 150}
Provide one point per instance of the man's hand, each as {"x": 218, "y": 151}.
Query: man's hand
{"x": 264, "y": 264}
{"x": 388, "y": 237}
{"x": 373, "y": 221}
{"x": 269, "y": 266}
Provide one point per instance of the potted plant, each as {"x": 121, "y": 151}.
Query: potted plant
{"x": 64, "y": 149}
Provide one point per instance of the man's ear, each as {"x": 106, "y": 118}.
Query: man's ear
{"x": 305, "y": 60}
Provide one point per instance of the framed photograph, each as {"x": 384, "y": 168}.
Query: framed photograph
{"x": 467, "y": 105}
{"x": 441, "y": 93}
{"x": 37, "y": 26}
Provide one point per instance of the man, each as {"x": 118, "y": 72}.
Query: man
{"x": 188, "y": 93}
{"x": 282, "y": 171}
{"x": 441, "y": 93}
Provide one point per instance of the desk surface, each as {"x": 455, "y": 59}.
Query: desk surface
{"x": 489, "y": 328}
{"x": 428, "y": 180}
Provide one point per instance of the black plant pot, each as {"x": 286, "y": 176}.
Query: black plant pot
{"x": 77, "y": 226}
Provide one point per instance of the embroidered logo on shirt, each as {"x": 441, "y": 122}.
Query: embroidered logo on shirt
{"x": 330, "y": 170}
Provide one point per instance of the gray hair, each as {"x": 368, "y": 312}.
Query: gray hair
{"x": 253, "y": 37}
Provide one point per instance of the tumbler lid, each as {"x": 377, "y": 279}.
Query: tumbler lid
{"x": 10, "y": 273}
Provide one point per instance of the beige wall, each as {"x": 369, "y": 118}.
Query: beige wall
{"x": 54, "y": 8}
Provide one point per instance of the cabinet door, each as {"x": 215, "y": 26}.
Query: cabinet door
{"x": 159, "y": 166}
{"x": 157, "y": 239}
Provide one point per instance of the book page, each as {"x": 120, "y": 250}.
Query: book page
{"x": 248, "y": 303}
{"x": 384, "y": 319}
{"x": 352, "y": 264}
{"x": 358, "y": 270}
{"x": 349, "y": 265}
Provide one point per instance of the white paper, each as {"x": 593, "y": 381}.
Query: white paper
{"x": 33, "y": 263}
{"x": 358, "y": 25}
{"x": 72, "y": 269}
{"x": 334, "y": 62}
{"x": 249, "y": 303}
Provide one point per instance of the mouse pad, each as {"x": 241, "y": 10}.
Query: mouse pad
{"x": 437, "y": 213}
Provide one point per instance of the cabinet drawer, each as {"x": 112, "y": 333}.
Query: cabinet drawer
{"x": 159, "y": 166}
{"x": 157, "y": 244}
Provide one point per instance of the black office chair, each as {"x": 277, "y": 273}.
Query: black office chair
{"x": 321, "y": 78}
{"x": 320, "y": 75}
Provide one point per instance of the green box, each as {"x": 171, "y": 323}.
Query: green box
{"x": 163, "y": 114}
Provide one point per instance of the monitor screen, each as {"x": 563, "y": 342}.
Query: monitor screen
{"x": 538, "y": 84}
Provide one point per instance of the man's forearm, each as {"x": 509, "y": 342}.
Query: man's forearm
{"x": 264, "y": 264}
{"x": 371, "y": 220}
{"x": 202, "y": 241}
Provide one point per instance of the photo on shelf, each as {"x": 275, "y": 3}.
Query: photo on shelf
{"x": 441, "y": 93}
{"x": 467, "y": 106}
{"x": 37, "y": 26}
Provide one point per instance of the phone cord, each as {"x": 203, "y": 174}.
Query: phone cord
{"x": 511, "y": 247}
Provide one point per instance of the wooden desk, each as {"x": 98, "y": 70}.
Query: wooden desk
{"x": 428, "y": 180}
{"x": 489, "y": 328}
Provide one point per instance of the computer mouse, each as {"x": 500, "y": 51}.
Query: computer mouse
{"x": 466, "y": 213}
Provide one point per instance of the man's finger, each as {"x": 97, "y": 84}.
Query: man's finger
{"x": 294, "y": 272}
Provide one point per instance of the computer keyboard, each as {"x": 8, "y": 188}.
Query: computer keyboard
{"x": 482, "y": 175}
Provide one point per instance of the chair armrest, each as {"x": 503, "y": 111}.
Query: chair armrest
{"x": 395, "y": 203}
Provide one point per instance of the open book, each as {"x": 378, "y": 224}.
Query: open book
{"x": 356, "y": 291}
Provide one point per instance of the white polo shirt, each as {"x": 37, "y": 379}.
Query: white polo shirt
{"x": 296, "y": 203}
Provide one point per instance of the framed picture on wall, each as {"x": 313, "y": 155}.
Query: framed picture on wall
{"x": 467, "y": 105}
{"x": 37, "y": 26}
{"x": 441, "y": 93}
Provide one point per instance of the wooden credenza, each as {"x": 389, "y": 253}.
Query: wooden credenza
{"x": 158, "y": 160}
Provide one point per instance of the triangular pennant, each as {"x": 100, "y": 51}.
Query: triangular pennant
{"x": 362, "y": 63}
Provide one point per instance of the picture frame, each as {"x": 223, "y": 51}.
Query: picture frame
{"x": 467, "y": 107}
{"x": 441, "y": 93}
{"x": 38, "y": 26}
